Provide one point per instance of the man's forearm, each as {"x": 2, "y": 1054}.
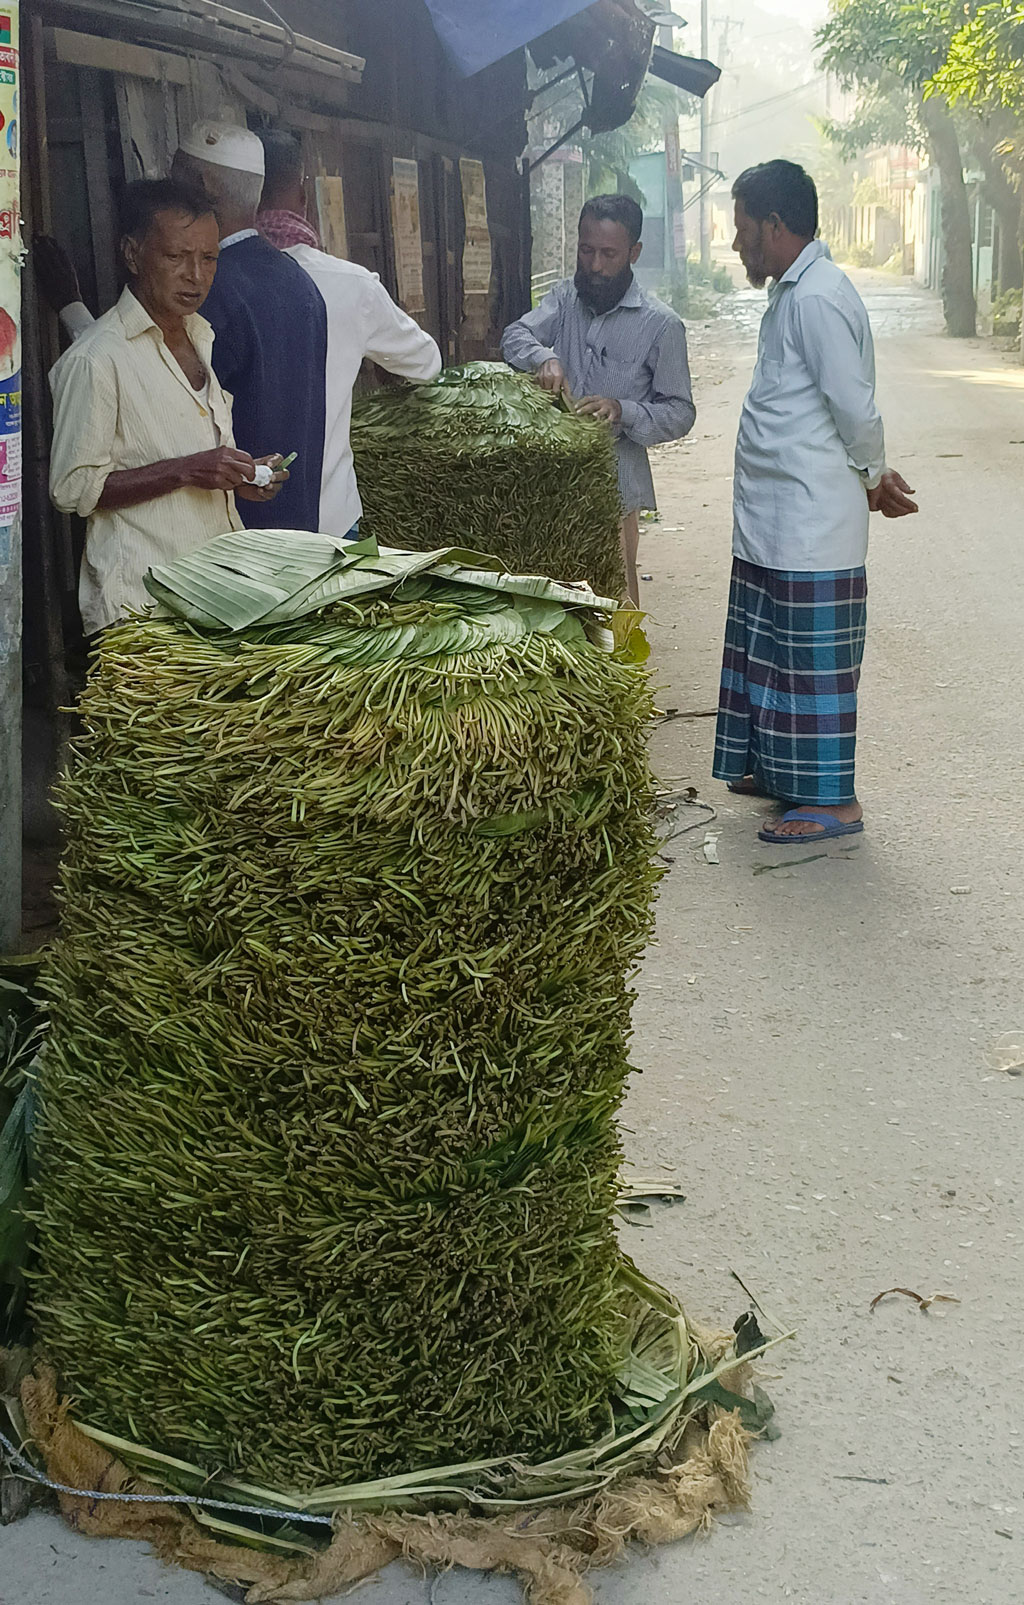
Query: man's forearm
{"x": 521, "y": 349}
{"x": 126, "y": 487}
{"x": 649, "y": 423}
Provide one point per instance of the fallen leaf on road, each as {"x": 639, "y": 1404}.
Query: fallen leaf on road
{"x": 1007, "y": 1053}
{"x": 924, "y": 1304}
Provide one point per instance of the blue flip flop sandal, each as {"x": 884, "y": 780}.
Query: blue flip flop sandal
{"x": 833, "y": 827}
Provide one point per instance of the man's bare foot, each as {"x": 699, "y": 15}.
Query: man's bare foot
{"x": 847, "y": 814}
{"x": 749, "y": 787}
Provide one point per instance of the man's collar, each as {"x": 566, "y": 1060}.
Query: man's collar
{"x": 134, "y": 317}
{"x": 135, "y": 320}
{"x": 813, "y": 252}
{"x": 240, "y": 234}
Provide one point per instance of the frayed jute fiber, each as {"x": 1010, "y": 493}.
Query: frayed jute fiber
{"x": 548, "y": 1548}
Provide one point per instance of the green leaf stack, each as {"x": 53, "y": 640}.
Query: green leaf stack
{"x": 483, "y": 450}
{"x": 358, "y": 866}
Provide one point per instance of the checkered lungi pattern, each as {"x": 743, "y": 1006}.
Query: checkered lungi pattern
{"x": 788, "y": 704}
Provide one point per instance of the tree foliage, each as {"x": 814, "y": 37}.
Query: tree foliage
{"x": 866, "y": 40}
{"x": 882, "y": 49}
{"x": 984, "y": 65}
{"x": 885, "y": 115}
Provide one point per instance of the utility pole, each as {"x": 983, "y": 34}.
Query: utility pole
{"x": 674, "y": 247}
{"x": 705, "y": 154}
{"x": 10, "y": 489}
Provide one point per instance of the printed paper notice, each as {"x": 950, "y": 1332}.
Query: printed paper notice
{"x": 10, "y": 283}
{"x": 476, "y": 253}
{"x": 330, "y": 211}
{"x": 405, "y": 217}
{"x": 10, "y": 449}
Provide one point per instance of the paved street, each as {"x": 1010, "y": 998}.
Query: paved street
{"x": 813, "y": 1029}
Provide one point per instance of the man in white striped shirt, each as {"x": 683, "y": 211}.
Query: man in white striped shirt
{"x": 142, "y": 441}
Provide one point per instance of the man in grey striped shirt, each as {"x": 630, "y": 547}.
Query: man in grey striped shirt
{"x": 619, "y": 351}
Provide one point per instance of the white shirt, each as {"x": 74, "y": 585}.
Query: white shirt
{"x": 810, "y": 441}
{"x": 121, "y": 401}
{"x": 362, "y": 321}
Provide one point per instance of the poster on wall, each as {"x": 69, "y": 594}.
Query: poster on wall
{"x": 405, "y": 219}
{"x": 476, "y": 253}
{"x": 10, "y": 284}
{"x": 330, "y": 211}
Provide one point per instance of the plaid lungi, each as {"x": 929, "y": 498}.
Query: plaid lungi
{"x": 788, "y": 705}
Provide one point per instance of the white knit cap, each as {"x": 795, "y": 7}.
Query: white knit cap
{"x": 224, "y": 145}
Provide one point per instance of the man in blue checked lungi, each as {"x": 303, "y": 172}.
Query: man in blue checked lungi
{"x": 810, "y": 469}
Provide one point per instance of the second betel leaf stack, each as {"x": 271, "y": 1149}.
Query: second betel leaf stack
{"x": 482, "y": 450}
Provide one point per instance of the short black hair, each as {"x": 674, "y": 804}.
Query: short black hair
{"x": 148, "y": 196}
{"x": 783, "y": 188}
{"x": 616, "y": 209}
{"x": 282, "y": 159}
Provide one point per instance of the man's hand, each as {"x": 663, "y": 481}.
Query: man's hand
{"x": 600, "y": 407}
{"x": 55, "y": 272}
{"x": 223, "y": 468}
{"x": 891, "y": 497}
{"x": 266, "y": 493}
{"x": 551, "y": 376}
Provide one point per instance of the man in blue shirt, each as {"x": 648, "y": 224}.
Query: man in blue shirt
{"x": 269, "y": 323}
{"x": 622, "y": 353}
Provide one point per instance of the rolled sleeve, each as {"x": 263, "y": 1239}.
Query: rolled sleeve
{"x": 844, "y": 374}
{"x": 528, "y": 343}
{"x": 76, "y": 319}
{"x": 396, "y": 341}
{"x": 669, "y": 412}
{"x": 84, "y": 389}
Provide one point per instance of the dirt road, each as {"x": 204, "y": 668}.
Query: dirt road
{"x": 812, "y": 1028}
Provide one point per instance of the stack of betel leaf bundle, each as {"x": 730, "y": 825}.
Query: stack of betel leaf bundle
{"x": 358, "y": 863}
{"x": 485, "y": 451}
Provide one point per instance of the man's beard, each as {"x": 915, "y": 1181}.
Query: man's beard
{"x": 599, "y": 293}
{"x": 757, "y": 271}
{"x": 754, "y": 264}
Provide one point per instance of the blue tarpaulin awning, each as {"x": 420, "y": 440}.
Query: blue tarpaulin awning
{"x": 476, "y": 32}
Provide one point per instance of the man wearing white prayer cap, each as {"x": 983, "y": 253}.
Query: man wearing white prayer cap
{"x": 269, "y": 322}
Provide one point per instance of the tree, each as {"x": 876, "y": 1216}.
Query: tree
{"x": 984, "y": 69}
{"x": 877, "y": 47}
{"x": 985, "y": 60}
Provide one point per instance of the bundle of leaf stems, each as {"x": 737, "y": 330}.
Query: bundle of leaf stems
{"x": 340, "y": 1012}
{"x": 483, "y": 450}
